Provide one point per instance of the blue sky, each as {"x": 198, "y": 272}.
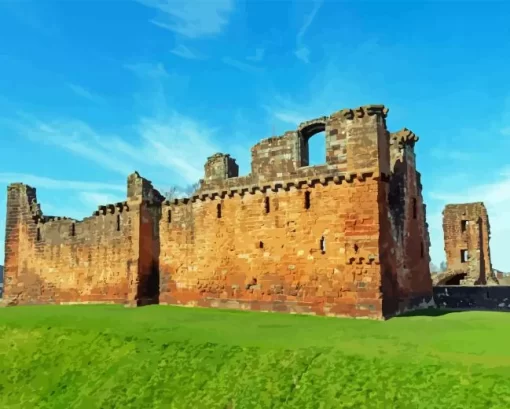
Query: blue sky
{"x": 91, "y": 91}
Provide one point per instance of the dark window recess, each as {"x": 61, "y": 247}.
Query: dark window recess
{"x": 38, "y": 234}
{"x": 463, "y": 225}
{"x": 356, "y": 248}
{"x": 422, "y": 250}
{"x": 307, "y": 200}
{"x": 267, "y": 204}
{"x": 261, "y": 245}
{"x": 73, "y": 229}
{"x": 415, "y": 210}
{"x": 169, "y": 216}
{"x": 464, "y": 256}
{"x": 118, "y": 222}
{"x": 322, "y": 244}
{"x": 218, "y": 210}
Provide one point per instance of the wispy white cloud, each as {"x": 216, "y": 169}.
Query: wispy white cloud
{"x": 191, "y": 18}
{"x": 258, "y": 56}
{"x": 447, "y": 154}
{"x": 243, "y": 66}
{"x": 175, "y": 143}
{"x": 184, "y": 52}
{"x": 156, "y": 71}
{"x": 94, "y": 199}
{"x": 58, "y": 184}
{"x": 302, "y": 52}
{"x": 84, "y": 93}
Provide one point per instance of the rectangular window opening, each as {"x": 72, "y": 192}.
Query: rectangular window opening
{"x": 322, "y": 244}
{"x": 38, "y": 234}
{"x": 169, "y": 216}
{"x": 463, "y": 225}
{"x": 218, "y": 210}
{"x": 118, "y": 222}
{"x": 307, "y": 200}
{"x": 73, "y": 229}
{"x": 267, "y": 204}
{"x": 464, "y": 256}
{"x": 415, "y": 210}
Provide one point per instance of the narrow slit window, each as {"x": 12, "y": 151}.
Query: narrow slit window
{"x": 73, "y": 229}
{"x": 422, "y": 250}
{"x": 169, "y": 216}
{"x": 38, "y": 234}
{"x": 322, "y": 244}
{"x": 267, "y": 204}
{"x": 464, "y": 256}
{"x": 463, "y": 225}
{"x": 307, "y": 200}
{"x": 118, "y": 222}
{"x": 218, "y": 210}
{"x": 415, "y": 210}
{"x": 261, "y": 245}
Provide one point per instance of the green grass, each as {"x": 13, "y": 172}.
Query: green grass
{"x": 170, "y": 357}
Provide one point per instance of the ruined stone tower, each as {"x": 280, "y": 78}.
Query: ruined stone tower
{"x": 466, "y": 238}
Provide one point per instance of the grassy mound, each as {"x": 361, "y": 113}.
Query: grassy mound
{"x": 170, "y": 357}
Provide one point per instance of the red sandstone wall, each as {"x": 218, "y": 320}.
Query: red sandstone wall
{"x": 475, "y": 239}
{"x": 211, "y": 261}
{"x": 109, "y": 257}
{"x": 93, "y": 265}
{"x": 408, "y": 227}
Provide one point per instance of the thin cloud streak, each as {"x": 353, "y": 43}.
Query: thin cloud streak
{"x": 242, "y": 65}
{"x": 58, "y": 184}
{"x": 190, "y": 18}
{"x": 82, "y": 92}
{"x": 184, "y": 52}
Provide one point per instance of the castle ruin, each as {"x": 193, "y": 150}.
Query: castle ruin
{"x": 466, "y": 239}
{"x": 347, "y": 238}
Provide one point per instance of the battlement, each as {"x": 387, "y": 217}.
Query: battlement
{"x": 404, "y": 137}
{"x": 360, "y": 112}
{"x": 275, "y": 186}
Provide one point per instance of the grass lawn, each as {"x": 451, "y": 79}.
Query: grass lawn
{"x": 173, "y": 357}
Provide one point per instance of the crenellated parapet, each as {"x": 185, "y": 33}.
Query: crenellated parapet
{"x": 404, "y": 137}
{"x": 114, "y": 208}
{"x": 362, "y": 111}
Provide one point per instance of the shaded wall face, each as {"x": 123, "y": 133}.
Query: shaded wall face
{"x": 466, "y": 236}
{"x": 54, "y": 262}
{"x": 408, "y": 226}
{"x": 262, "y": 252}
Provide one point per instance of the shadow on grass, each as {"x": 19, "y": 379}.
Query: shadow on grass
{"x": 430, "y": 312}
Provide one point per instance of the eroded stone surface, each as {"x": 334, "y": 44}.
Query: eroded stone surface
{"x": 347, "y": 238}
{"x": 466, "y": 235}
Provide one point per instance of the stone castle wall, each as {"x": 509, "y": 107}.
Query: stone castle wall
{"x": 345, "y": 238}
{"x": 102, "y": 258}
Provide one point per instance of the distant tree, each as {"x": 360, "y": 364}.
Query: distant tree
{"x": 174, "y": 192}
{"x": 433, "y": 268}
{"x": 171, "y": 193}
{"x": 443, "y": 266}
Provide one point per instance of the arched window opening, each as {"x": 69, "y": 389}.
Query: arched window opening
{"x": 313, "y": 144}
